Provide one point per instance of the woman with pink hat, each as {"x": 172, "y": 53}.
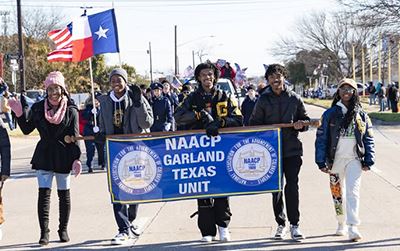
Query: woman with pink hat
{"x": 54, "y": 117}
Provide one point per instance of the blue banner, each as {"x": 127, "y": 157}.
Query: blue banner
{"x": 188, "y": 165}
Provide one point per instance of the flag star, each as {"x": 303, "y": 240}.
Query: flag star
{"x": 101, "y": 32}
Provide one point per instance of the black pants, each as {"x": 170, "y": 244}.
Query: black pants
{"x": 5, "y": 152}
{"x": 213, "y": 212}
{"x": 124, "y": 215}
{"x": 393, "y": 104}
{"x": 291, "y": 168}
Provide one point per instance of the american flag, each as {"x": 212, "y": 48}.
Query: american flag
{"x": 63, "y": 41}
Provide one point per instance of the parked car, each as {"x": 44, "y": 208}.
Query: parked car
{"x": 226, "y": 85}
{"x": 332, "y": 90}
{"x": 35, "y": 95}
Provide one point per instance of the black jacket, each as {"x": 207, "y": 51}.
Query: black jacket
{"x": 247, "y": 109}
{"x": 52, "y": 153}
{"x": 222, "y": 108}
{"x": 285, "y": 108}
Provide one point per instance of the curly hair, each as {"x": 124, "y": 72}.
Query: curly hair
{"x": 353, "y": 108}
{"x": 276, "y": 68}
{"x": 207, "y": 65}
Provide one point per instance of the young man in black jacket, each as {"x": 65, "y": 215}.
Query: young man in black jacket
{"x": 210, "y": 108}
{"x": 276, "y": 105}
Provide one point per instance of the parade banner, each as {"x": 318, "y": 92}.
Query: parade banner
{"x": 192, "y": 165}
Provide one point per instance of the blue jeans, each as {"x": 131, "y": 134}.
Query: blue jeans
{"x": 124, "y": 215}
{"x": 45, "y": 179}
{"x": 372, "y": 99}
{"x": 382, "y": 102}
{"x": 90, "y": 150}
{"x": 9, "y": 120}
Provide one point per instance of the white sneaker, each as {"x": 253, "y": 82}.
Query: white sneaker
{"x": 121, "y": 239}
{"x": 224, "y": 234}
{"x": 135, "y": 230}
{"x": 208, "y": 238}
{"x": 296, "y": 233}
{"x": 354, "y": 234}
{"x": 341, "y": 229}
{"x": 281, "y": 232}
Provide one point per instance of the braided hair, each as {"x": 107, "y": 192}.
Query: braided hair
{"x": 353, "y": 108}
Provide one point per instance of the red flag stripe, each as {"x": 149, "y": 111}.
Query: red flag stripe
{"x": 60, "y": 55}
{"x": 61, "y": 38}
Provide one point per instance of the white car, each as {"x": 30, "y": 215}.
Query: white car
{"x": 332, "y": 90}
{"x": 226, "y": 85}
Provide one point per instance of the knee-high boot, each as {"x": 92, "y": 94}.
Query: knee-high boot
{"x": 65, "y": 209}
{"x": 43, "y": 214}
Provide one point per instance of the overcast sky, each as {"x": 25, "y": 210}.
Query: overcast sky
{"x": 239, "y": 31}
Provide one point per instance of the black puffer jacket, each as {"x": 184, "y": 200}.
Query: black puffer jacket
{"x": 52, "y": 153}
{"x": 288, "y": 107}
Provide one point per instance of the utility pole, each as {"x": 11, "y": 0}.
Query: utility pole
{"x": 151, "y": 64}
{"x": 5, "y": 21}
{"x": 21, "y": 48}
{"x": 176, "y": 51}
{"x": 193, "y": 59}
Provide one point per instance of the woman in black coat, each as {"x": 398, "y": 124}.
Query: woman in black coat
{"x": 54, "y": 117}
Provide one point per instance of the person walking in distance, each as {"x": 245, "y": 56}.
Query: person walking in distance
{"x": 344, "y": 148}
{"x": 277, "y": 104}
{"x": 210, "y": 108}
{"x": 54, "y": 117}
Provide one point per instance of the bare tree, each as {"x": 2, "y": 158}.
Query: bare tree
{"x": 327, "y": 38}
{"x": 37, "y": 23}
{"x": 384, "y": 13}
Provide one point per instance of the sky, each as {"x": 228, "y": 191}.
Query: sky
{"x": 239, "y": 31}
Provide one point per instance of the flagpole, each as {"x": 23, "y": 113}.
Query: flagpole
{"x": 379, "y": 57}
{"x": 354, "y": 62}
{"x": 94, "y": 110}
{"x": 363, "y": 69}
{"x": 389, "y": 65}
{"x": 370, "y": 64}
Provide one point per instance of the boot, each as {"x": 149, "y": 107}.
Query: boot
{"x": 65, "y": 209}
{"x": 43, "y": 215}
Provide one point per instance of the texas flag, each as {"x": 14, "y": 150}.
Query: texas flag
{"x": 85, "y": 37}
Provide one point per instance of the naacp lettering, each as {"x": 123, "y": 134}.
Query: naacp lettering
{"x": 193, "y": 166}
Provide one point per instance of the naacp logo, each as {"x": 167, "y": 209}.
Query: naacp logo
{"x": 136, "y": 169}
{"x": 251, "y": 162}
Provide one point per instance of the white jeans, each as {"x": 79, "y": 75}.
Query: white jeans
{"x": 345, "y": 188}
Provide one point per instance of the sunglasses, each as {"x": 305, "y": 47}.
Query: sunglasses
{"x": 347, "y": 90}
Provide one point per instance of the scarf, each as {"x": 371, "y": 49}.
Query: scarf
{"x": 58, "y": 116}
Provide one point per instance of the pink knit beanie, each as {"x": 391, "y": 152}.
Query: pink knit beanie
{"x": 54, "y": 77}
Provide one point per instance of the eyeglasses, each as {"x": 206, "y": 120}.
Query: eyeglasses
{"x": 186, "y": 92}
{"x": 347, "y": 90}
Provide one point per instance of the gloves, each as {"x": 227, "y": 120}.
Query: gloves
{"x": 167, "y": 127}
{"x": 77, "y": 167}
{"x": 99, "y": 138}
{"x": 16, "y": 106}
{"x": 212, "y": 128}
{"x": 135, "y": 94}
{"x": 205, "y": 117}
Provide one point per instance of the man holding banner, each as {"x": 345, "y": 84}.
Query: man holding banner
{"x": 276, "y": 105}
{"x": 123, "y": 111}
{"x": 210, "y": 108}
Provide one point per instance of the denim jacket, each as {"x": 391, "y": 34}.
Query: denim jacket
{"x": 329, "y": 132}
